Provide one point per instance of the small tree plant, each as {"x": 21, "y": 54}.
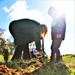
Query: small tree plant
{"x": 5, "y": 53}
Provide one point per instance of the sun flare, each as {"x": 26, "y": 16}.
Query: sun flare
{"x": 66, "y": 6}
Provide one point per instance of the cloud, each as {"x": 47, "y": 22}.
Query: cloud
{"x": 6, "y": 9}
{"x": 19, "y": 10}
{"x": 6, "y": 34}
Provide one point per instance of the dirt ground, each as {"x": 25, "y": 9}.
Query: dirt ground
{"x": 33, "y": 68}
{"x": 4, "y": 70}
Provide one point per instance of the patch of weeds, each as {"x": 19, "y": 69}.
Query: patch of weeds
{"x": 54, "y": 69}
{"x": 17, "y": 64}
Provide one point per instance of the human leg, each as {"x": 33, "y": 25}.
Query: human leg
{"x": 18, "y": 52}
{"x": 26, "y": 54}
{"x": 55, "y": 53}
{"x": 52, "y": 51}
{"x": 58, "y": 55}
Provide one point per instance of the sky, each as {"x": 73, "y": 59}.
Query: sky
{"x": 38, "y": 10}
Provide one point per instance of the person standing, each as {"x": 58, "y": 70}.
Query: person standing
{"x": 58, "y": 29}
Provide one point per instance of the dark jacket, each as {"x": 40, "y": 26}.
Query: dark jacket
{"x": 58, "y": 27}
{"x": 25, "y": 31}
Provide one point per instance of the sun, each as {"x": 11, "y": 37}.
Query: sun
{"x": 65, "y": 6}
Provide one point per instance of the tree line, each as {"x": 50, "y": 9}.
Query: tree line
{"x": 5, "y": 42}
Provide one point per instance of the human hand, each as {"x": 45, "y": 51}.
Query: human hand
{"x": 58, "y": 36}
{"x": 38, "y": 53}
{"x": 41, "y": 53}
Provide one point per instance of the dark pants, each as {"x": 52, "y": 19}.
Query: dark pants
{"x": 26, "y": 54}
{"x": 55, "y": 53}
{"x": 18, "y": 52}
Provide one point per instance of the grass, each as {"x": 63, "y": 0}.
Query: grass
{"x": 2, "y": 58}
{"x": 70, "y": 63}
{"x": 65, "y": 67}
{"x": 55, "y": 69}
{"x": 69, "y": 59}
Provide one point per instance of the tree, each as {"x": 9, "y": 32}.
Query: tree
{"x": 2, "y": 41}
{"x": 11, "y": 46}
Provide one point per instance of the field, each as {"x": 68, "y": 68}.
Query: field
{"x": 38, "y": 66}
